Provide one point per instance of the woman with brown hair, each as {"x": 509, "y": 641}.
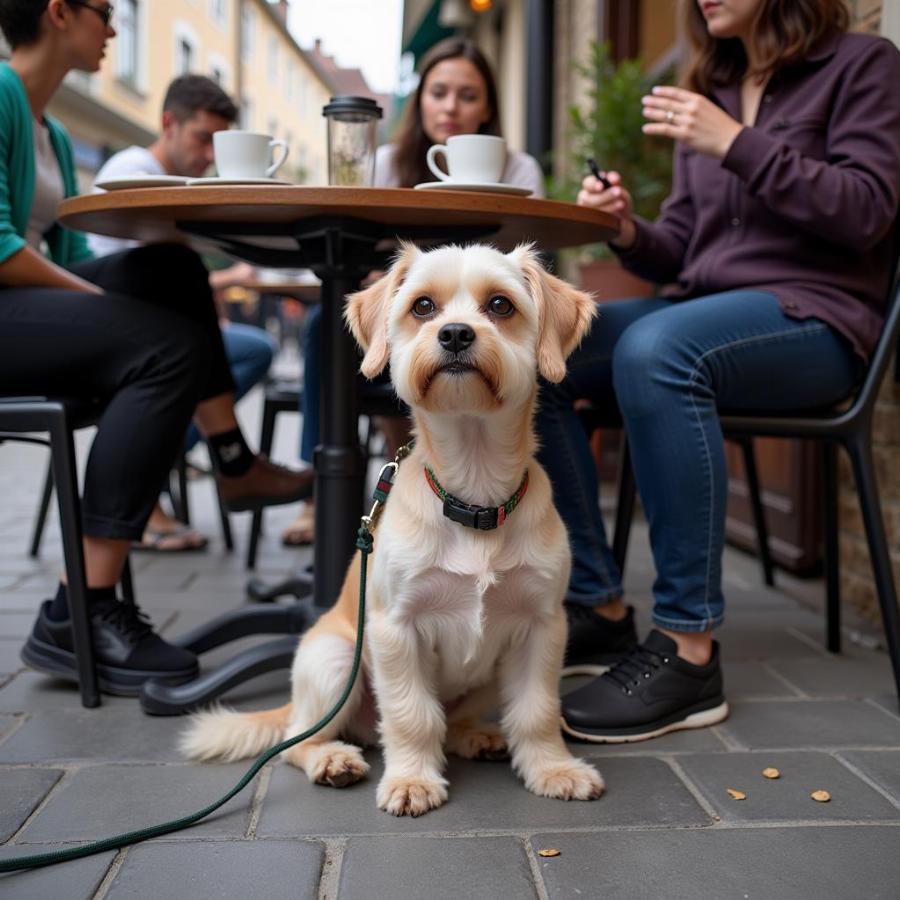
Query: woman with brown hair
{"x": 456, "y": 94}
{"x": 775, "y": 246}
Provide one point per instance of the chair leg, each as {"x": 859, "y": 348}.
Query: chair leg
{"x": 266, "y": 439}
{"x": 832, "y": 548}
{"x": 41, "y": 518}
{"x": 182, "y": 510}
{"x": 66, "y": 478}
{"x": 224, "y": 522}
{"x": 759, "y": 514}
{"x": 624, "y": 506}
{"x": 866, "y": 485}
{"x": 127, "y": 582}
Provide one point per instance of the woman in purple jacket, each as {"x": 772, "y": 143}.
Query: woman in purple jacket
{"x": 775, "y": 246}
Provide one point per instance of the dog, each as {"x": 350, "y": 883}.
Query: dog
{"x": 461, "y": 621}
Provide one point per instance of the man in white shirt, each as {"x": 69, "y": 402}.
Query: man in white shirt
{"x": 194, "y": 109}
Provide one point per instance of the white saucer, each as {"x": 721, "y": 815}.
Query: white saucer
{"x": 464, "y": 186}
{"x": 213, "y": 180}
{"x": 120, "y": 182}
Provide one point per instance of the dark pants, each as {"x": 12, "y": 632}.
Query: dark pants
{"x": 148, "y": 349}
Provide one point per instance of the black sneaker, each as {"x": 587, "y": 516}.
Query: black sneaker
{"x": 648, "y": 693}
{"x": 127, "y": 650}
{"x": 595, "y": 643}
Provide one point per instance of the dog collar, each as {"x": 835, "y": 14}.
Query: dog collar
{"x": 484, "y": 518}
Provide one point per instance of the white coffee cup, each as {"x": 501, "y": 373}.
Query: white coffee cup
{"x": 246, "y": 154}
{"x": 470, "y": 158}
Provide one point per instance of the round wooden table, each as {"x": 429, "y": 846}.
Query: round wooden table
{"x": 341, "y": 234}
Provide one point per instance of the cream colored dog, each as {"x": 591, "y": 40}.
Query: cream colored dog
{"x": 460, "y": 620}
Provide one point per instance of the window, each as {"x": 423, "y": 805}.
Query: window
{"x": 185, "y": 60}
{"x": 217, "y": 11}
{"x": 246, "y": 33}
{"x": 246, "y": 114}
{"x": 273, "y": 60}
{"x": 127, "y": 41}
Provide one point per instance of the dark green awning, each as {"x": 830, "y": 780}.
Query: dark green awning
{"x": 428, "y": 33}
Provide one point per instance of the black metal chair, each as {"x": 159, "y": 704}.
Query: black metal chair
{"x": 22, "y": 419}
{"x": 376, "y": 398}
{"x": 851, "y": 427}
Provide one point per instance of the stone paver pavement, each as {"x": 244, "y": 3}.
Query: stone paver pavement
{"x": 666, "y": 827}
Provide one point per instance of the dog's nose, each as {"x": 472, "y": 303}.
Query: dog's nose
{"x": 456, "y": 337}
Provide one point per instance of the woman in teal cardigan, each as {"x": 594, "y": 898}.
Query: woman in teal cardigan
{"x": 136, "y": 331}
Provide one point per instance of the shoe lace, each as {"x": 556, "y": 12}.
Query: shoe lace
{"x": 642, "y": 662}
{"x": 129, "y": 619}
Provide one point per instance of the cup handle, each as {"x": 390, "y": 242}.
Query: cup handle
{"x": 433, "y": 151}
{"x": 277, "y": 165}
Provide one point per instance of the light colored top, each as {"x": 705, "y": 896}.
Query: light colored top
{"x": 131, "y": 161}
{"x": 48, "y": 188}
{"x": 521, "y": 170}
{"x": 17, "y": 174}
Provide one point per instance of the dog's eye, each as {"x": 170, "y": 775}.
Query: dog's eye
{"x": 424, "y": 306}
{"x": 500, "y": 306}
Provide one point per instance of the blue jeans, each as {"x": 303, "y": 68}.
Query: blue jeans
{"x": 670, "y": 365}
{"x": 250, "y": 352}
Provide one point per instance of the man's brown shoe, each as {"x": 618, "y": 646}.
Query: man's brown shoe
{"x": 265, "y": 484}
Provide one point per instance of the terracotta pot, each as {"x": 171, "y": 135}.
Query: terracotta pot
{"x": 607, "y": 280}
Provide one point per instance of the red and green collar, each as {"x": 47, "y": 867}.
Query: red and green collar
{"x": 484, "y": 518}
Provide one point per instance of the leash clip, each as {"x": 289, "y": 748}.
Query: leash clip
{"x": 380, "y": 494}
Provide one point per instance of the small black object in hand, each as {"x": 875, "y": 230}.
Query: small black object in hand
{"x": 595, "y": 171}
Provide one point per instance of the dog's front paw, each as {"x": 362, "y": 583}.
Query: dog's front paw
{"x": 572, "y": 780}
{"x": 481, "y": 740}
{"x": 410, "y": 796}
{"x": 339, "y": 766}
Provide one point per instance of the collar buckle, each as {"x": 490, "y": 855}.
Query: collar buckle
{"x": 482, "y": 518}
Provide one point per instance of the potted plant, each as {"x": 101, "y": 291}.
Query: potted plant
{"x": 607, "y": 128}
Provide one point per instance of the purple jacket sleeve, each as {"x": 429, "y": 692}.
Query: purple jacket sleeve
{"x": 850, "y": 197}
{"x": 659, "y": 249}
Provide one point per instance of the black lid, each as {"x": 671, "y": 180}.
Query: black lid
{"x": 352, "y": 106}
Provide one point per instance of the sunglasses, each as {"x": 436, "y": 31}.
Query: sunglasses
{"x": 105, "y": 12}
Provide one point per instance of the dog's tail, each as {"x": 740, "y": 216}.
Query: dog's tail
{"x": 229, "y": 735}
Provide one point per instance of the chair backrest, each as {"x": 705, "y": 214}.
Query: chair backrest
{"x": 887, "y": 342}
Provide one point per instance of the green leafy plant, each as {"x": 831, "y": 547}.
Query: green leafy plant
{"x": 607, "y": 127}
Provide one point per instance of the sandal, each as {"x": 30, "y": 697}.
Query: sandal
{"x": 302, "y": 531}
{"x": 180, "y": 539}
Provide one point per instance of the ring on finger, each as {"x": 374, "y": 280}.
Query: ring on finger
{"x": 670, "y": 116}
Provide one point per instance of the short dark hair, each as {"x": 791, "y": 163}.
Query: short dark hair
{"x": 189, "y": 94}
{"x": 20, "y": 21}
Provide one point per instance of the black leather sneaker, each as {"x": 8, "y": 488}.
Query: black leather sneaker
{"x": 648, "y": 693}
{"x": 127, "y": 650}
{"x": 595, "y": 643}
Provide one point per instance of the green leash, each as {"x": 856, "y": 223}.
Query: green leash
{"x": 364, "y": 545}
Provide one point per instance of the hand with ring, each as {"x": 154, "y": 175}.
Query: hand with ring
{"x": 690, "y": 118}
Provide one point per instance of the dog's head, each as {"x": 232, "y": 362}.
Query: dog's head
{"x": 467, "y": 329}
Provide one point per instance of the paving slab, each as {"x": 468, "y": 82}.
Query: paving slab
{"x": 745, "y": 640}
{"x": 754, "y": 680}
{"x": 432, "y": 869}
{"x": 800, "y": 863}
{"x": 882, "y": 766}
{"x": 815, "y": 724}
{"x": 210, "y": 870}
{"x": 110, "y": 733}
{"x": 863, "y": 675}
{"x": 484, "y": 796}
{"x": 32, "y": 691}
{"x": 697, "y": 740}
{"x": 16, "y": 625}
{"x": 7, "y": 723}
{"x": 21, "y": 790}
{"x": 102, "y": 801}
{"x": 76, "y": 880}
{"x": 785, "y": 799}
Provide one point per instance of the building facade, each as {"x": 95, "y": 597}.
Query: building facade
{"x": 243, "y": 44}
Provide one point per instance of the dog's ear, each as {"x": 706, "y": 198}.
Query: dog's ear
{"x": 564, "y": 313}
{"x": 366, "y": 312}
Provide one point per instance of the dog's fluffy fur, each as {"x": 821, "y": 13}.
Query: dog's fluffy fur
{"x": 460, "y": 622}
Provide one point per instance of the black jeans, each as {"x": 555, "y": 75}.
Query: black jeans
{"x": 148, "y": 349}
